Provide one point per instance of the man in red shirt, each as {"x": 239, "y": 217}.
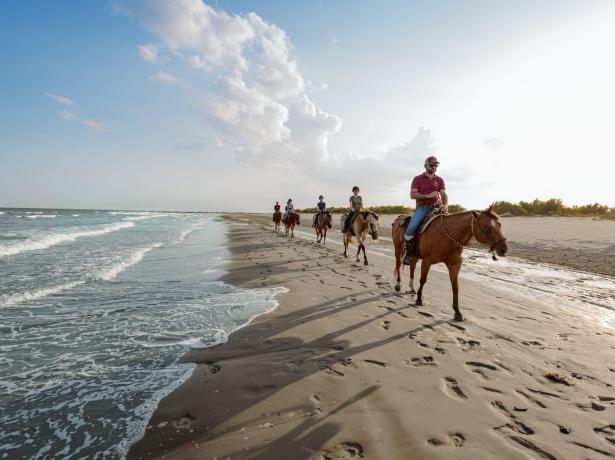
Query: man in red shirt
{"x": 429, "y": 191}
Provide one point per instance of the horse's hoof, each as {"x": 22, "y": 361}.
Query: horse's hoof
{"x": 412, "y": 291}
{"x": 365, "y": 263}
{"x": 419, "y": 303}
{"x": 397, "y": 288}
{"x": 458, "y": 317}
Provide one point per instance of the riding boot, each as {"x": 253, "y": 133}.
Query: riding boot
{"x": 408, "y": 253}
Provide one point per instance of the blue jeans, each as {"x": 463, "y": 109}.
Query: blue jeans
{"x": 416, "y": 220}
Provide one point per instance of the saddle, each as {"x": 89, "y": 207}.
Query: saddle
{"x": 403, "y": 220}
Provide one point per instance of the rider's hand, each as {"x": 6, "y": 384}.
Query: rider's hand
{"x": 444, "y": 208}
{"x": 434, "y": 195}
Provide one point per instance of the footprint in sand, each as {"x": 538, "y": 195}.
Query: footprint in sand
{"x": 607, "y": 431}
{"x": 213, "y": 368}
{"x": 342, "y": 451}
{"x": 422, "y": 361}
{"x": 385, "y": 325}
{"x": 457, "y": 439}
{"x": 424, "y": 313}
{"x": 375, "y": 363}
{"x": 452, "y": 385}
{"x": 478, "y": 364}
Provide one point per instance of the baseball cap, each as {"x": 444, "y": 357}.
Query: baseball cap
{"x": 432, "y": 160}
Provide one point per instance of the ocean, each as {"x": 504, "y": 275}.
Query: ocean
{"x": 97, "y": 309}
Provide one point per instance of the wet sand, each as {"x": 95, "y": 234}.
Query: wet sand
{"x": 345, "y": 367}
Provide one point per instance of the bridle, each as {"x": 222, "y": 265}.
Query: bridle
{"x": 461, "y": 245}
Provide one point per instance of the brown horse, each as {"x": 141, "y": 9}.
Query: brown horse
{"x": 444, "y": 240}
{"x": 291, "y": 220}
{"x": 277, "y": 218}
{"x": 362, "y": 223}
{"x": 323, "y": 221}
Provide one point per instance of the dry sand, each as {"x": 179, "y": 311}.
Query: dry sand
{"x": 346, "y": 368}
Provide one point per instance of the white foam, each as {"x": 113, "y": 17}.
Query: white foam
{"x": 133, "y": 259}
{"x": 1, "y": 212}
{"x": 149, "y": 216}
{"x": 36, "y": 216}
{"x": 34, "y": 244}
{"x": 186, "y": 232}
{"x": 39, "y": 294}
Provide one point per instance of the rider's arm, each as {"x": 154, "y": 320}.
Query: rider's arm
{"x": 414, "y": 194}
{"x": 444, "y": 197}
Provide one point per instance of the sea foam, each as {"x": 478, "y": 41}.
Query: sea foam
{"x": 38, "y": 243}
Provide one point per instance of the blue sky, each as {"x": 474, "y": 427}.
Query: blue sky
{"x": 233, "y": 105}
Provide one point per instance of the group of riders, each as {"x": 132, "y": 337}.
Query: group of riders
{"x": 428, "y": 189}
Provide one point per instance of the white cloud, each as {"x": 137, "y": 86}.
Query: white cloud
{"x": 166, "y": 78}
{"x": 70, "y": 117}
{"x": 492, "y": 143}
{"x": 62, "y": 100}
{"x": 259, "y": 104}
{"x": 150, "y": 52}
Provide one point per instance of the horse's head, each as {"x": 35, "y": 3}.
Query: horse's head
{"x": 374, "y": 225}
{"x": 297, "y": 217}
{"x": 488, "y": 231}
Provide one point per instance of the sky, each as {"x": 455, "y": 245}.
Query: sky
{"x": 233, "y": 105}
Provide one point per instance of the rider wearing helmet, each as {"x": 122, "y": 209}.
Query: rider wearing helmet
{"x": 322, "y": 207}
{"x": 429, "y": 191}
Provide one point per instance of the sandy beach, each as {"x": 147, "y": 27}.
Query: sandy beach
{"x": 347, "y": 368}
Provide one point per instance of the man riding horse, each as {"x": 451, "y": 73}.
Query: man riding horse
{"x": 429, "y": 191}
{"x": 276, "y": 209}
{"x": 322, "y": 207}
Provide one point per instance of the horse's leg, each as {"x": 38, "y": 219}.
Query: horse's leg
{"x": 324, "y": 237}
{"x": 398, "y": 257}
{"x": 412, "y": 267}
{"x": 424, "y": 270}
{"x": 364, "y": 255}
{"x": 359, "y": 248}
{"x": 453, "y": 273}
{"x": 345, "y": 239}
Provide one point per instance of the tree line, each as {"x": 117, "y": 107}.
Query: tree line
{"x": 550, "y": 207}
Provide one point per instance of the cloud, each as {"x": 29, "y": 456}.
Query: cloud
{"x": 492, "y": 143}
{"x": 258, "y": 102}
{"x": 63, "y": 100}
{"x": 149, "y": 53}
{"x": 70, "y": 117}
{"x": 166, "y": 78}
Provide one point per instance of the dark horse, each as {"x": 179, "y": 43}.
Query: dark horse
{"x": 444, "y": 240}
{"x": 277, "y": 218}
{"x": 291, "y": 220}
{"x": 323, "y": 221}
{"x": 362, "y": 223}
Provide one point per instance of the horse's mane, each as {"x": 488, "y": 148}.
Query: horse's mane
{"x": 367, "y": 213}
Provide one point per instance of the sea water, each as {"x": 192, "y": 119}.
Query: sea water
{"x": 96, "y": 310}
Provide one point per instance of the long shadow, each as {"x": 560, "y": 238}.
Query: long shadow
{"x": 252, "y": 366}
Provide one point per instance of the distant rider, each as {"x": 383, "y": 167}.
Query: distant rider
{"x": 356, "y": 205}
{"x": 288, "y": 210}
{"x": 322, "y": 207}
{"x": 276, "y": 209}
{"x": 429, "y": 191}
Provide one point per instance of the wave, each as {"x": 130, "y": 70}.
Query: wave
{"x": 1, "y": 212}
{"x": 107, "y": 275}
{"x": 133, "y": 259}
{"x": 187, "y": 231}
{"x": 149, "y": 216}
{"x": 34, "y": 244}
{"x": 36, "y": 216}
{"x": 34, "y": 295}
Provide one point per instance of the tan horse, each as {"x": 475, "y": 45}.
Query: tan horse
{"x": 362, "y": 223}
{"x": 277, "y": 218}
{"x": 323, "y": 221}
{"x": 291, "y": 221}
{"x": 443, "y": 241}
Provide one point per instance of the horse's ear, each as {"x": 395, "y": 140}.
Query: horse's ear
{"x": 490, "y": 208}
{"x": 475, "y": 213}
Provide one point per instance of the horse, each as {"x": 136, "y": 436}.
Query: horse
{"x": 323, "y": 221}
{"x": 277, "y": 218}
{"x": 443, "y": 241}
{"x": 362, "y": 223}
{"x": 291, "y": 220}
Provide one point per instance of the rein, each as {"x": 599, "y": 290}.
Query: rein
{"x": 460, "y": 245}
